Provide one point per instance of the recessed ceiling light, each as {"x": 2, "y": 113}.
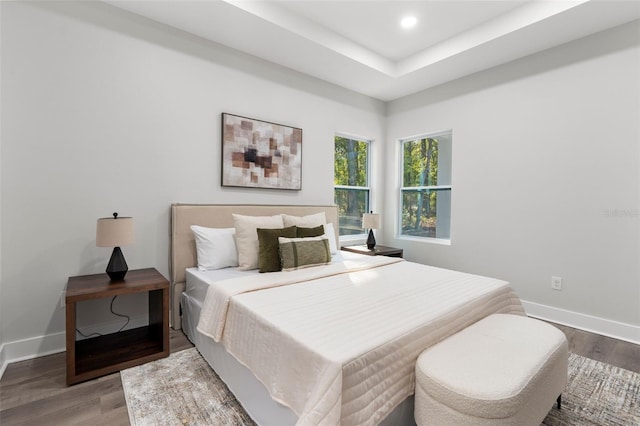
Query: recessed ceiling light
{"x": 408, "y": 22}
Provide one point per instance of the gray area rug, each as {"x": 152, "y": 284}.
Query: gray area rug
{"x": 184, "y": 390}
{"x": 598, "y": 394}
{"x": 180, "y": 390}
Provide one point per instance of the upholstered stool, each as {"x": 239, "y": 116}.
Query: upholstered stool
{"x": 502, "y": 370}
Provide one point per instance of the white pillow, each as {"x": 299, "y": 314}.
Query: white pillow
{"x": 330, "y": 233}
{"x": 247, "y": 237}
{"x": 215, "y": 247}
{"x": 310, "y": 221}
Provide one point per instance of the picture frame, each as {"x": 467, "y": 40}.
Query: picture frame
{"x": 260, "y": 154}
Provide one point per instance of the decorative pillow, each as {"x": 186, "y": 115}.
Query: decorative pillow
{"x": 247, "y": 237}
{"x": 299, "y": 253}
{"x": 268, "y": 247}
{"x": 309, "y": 221}
{"x": 215, "y": 247}
{"x": 330, "y": 233}
{"x": 308, "y": 232}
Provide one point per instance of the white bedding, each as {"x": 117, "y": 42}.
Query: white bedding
{"x": 198, "y": 281}
{"x": 341, "y": 348}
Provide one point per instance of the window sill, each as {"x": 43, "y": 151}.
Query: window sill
{"x": 439, "y": 241}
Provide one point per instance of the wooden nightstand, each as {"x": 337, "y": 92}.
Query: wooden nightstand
{"x": 377, "y": 250}
{"x": 90, "y": 358}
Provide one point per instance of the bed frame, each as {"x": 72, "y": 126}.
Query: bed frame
{"x": 183, "y": 247}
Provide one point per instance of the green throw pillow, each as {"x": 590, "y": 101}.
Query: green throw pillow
{"x": 310, "y": 232}
{"x": 268, "y": 255}
{"x": 297, "y": 253}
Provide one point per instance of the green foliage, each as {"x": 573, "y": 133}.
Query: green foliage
{"x": 420, "y": 162}
{"x": 352, "y": 203}
{"x": 350, "y": 169}
{"x": 419, "y": 212}
{"x": 420, "y": 168}
{"x": 350, "y": 162}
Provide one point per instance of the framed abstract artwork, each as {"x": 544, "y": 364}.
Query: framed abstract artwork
{"x": 260, "y": 154}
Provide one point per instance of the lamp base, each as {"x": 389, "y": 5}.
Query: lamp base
{"x": 117, "y": 267}
{"x": 371, "y": 240}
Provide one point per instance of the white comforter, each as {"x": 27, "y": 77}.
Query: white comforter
{"x": 338, "y": 344}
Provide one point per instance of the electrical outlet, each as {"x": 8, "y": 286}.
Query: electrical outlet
{"x": 556, "y": 283}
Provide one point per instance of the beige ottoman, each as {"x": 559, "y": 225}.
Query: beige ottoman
{"x": 502, "y": 370}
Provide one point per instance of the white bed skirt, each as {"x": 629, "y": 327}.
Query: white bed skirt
{"x": 252, "y": 394}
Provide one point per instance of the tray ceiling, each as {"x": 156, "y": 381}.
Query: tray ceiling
{"x": 360, "y": 45}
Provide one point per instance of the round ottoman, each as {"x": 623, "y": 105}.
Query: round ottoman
{"x": 502, "y": 370}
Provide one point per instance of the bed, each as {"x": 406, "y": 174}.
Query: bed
{"x": 329, "y": 344}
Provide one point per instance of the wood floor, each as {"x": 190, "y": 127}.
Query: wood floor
{"x": 34, "y": 392}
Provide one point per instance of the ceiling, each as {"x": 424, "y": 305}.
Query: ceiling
{"x": 359, "y": 44}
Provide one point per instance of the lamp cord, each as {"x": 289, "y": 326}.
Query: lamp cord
{"x": 119, "y": 315}
{"x": 114, "y": 313}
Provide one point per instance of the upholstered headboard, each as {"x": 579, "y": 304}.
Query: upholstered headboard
{"x": 183, "y": 247}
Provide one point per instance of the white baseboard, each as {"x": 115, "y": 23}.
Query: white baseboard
{"x": 3, "y": 363}
{"x": 605, "y": 327}
{"x": 49, "y": 344}
{"x": 33, "y": 347}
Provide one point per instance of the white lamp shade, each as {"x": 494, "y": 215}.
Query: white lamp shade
{"x": 371, "y": 221}
{"x": 112, "y": 232}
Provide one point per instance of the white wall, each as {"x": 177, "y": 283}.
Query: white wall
{"x": 546, "y": 181}
{"x": 105, "y": 111}
{"x": 2, "y": 352}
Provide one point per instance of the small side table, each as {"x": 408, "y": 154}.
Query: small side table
{"x": 98, "y": 356}
{"x": 377, "y": 250}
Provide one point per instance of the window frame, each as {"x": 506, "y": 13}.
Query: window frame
{"x": 367, "y": 188}
{"x": 402, "y": 188}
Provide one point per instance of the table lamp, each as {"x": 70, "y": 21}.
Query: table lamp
{"x": 371, "y": 221}
{"x": 115, "y": 232}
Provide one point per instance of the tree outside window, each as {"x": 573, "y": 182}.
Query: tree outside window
{"x": 426, "y": 186}
{"x": 351, "y": 182}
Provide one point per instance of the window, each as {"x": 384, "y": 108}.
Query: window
{"x": 425, "y": 195}
{"x": 351, "y": 182}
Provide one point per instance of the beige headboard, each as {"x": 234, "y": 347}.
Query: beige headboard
{"x": 183, "y": 247}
